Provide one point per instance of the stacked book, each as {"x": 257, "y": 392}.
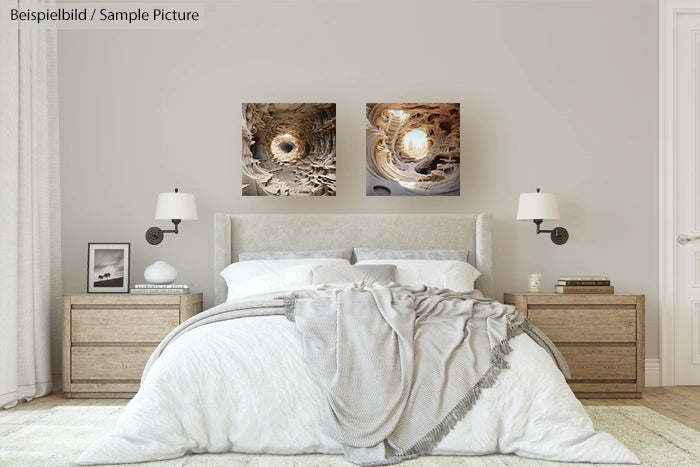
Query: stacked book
{"x": 159, "y": 289}
{"x": 583, "y": 284}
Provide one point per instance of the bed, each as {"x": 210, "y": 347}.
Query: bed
{"x": 254, "y": 375}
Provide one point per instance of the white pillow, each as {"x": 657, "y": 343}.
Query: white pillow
{"x": 261, "y": 276}
{"x": 362, "y": 273}
{"x": 443, "y": 274}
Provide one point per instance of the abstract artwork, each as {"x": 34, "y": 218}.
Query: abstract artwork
{"x": 412, "y": 149}
{"x": 289, "y": 150}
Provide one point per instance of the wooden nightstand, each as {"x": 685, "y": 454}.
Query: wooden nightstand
{"x": 107, "y": 339}
{"x": 600, "y": 336}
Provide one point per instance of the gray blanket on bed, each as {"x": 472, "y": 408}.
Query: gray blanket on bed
{"x": 400, "y": 367}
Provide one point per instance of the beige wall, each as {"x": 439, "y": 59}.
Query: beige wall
{"x": 556, "y": 94}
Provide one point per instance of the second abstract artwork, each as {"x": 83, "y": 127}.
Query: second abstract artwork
{"x": 412, "y": 149}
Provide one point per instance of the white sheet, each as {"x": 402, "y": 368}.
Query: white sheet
{"x": 242, "y": 385}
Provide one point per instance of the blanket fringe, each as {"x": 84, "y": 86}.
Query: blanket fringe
{"x": 426, "y": 444}
{"x": 289, "y": 302}
{"x": 498, "y": 364}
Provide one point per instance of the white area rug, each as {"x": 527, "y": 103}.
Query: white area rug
{"x": 55, "y": 437}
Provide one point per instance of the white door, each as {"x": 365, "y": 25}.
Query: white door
{"x": 687, "y": 197}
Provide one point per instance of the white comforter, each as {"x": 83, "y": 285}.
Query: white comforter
{"x": 241, "y": 385}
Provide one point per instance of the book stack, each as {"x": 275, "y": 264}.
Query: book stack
{"x": 583, "y": 284}
{"x": 160, "y": 289}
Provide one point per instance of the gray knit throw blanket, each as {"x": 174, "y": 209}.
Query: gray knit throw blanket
{"x": 400, "y": 367}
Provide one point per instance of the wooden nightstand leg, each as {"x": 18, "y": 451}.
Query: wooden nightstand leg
{"x": 641, "y": 368}
{"x": 66, "y": 346}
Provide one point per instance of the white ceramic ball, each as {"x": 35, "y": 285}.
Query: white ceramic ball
{"x": 160, "y": 273}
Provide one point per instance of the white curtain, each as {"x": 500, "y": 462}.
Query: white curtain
{"x": 30, "y": 241}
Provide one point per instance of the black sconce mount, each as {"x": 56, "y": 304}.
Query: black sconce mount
{"x": 559, "y": 235}
{"x": 155, "y": 235}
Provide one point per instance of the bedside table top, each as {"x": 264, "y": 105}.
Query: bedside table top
{"x": 132, "y": 299}
{"x": 82, "y": 294}
{"x": 550, "y": 298}
{"x": 554, "y": 294}
{"x": 127, "y": 294}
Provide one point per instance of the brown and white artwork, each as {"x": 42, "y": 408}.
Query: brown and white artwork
{"x": 412, "y": 149}
{"x": 289, "y": 150}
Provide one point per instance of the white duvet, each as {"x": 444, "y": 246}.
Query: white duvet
{"x": 241, "y": 385}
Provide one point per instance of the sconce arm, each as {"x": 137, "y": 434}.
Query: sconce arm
{"x": 559, "y": 235}
{"x": 155, "y": 235}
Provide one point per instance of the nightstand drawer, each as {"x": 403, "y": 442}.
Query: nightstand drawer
{"x": 600, "y": 362}
{"x": 592, "y": 324}
{"x": 109, "y": 363}
{"x": 122, "y": 325}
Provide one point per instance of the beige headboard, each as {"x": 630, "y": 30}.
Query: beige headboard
{"x": 234, "y": 233}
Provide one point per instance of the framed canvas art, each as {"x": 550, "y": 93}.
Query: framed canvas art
{"x": 108, "y": 267}
{"x": 412, "y": 150}
{"x": 289, "y": 150}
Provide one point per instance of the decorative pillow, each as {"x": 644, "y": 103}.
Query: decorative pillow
{"x": 443, "y": 274}
{"x": 345, "y": 254}
{"x": 363, "y": 254}
{"x": 261, "y": 276}
{"x": 368, "y": 273}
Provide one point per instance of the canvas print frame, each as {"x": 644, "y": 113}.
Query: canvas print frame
{"x": 413, "y": 149}
{"x": 289, "y": 149}
{"x": 111, "y": 260}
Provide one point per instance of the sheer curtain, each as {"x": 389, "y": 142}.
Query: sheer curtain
{"x": 30, "y": 241}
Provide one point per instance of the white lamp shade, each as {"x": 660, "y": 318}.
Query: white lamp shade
{"x": 176, "y": 206}
{"x": 538, "y": 206}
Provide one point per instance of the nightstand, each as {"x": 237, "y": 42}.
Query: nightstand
{"x": 108, "y": 338}
{"x": 600, "y": 336}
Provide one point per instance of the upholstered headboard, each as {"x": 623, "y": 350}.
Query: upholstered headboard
{"x": 235, "y": 233}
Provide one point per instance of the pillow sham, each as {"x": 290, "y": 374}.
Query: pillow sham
{"x": 363, "y": 254}
{"x": 345, "y": 253}
{"x": 442, "y": 274}
{"x": 368, "y": 273}
{"x": 253, "y": 277}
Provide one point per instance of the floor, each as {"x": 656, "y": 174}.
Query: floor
{"x": 680, "y": 403}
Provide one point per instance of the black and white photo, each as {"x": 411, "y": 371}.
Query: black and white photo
{"x": 108, "y": 268}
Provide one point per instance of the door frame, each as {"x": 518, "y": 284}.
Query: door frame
{"x": 669, "y": 10}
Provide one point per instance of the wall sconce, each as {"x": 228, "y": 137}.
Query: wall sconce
{"x": 174, "y": 206}
{"x": 538, "y": 207}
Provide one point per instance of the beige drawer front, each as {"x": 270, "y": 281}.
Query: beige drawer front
{"x": 109, "y": 363}
{"x": 607, "y": 363}
{"x": 114, "y": 325}
{"x": 586, "y": 325}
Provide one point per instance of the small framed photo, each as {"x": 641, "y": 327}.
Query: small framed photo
{"x": 108, "y": 267}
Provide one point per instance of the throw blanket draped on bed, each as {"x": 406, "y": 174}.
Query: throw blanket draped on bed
{"x": 399, "y": 366}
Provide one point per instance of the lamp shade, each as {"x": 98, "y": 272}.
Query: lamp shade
{"x": 537, "y": 206}
{"x": 176, "y": 206}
